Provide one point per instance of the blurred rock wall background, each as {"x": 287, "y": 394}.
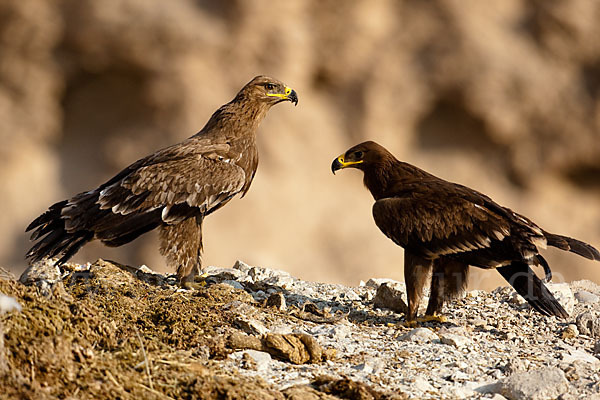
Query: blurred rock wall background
{"x": 503, "y": 96}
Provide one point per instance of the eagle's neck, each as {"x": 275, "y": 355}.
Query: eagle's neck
{"x": 236, "y": 123}
{"x": 386, "y": 178}
{"x": 237, "y": 120}
{"x": 376, "y": 179}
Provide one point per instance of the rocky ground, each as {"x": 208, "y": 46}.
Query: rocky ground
{"x": 110, "y": 331}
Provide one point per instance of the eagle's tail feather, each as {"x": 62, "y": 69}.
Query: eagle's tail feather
{"x": 46, "y": 222}
{"x": 67, "y": 226}
{"x": 520, "y": 276}
{"x": 573, "y": 245}
{"x": 57, "y": 241}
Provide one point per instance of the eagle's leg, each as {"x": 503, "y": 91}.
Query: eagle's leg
{"x": 416, "y": 274}
{"x": 448, "y": 280}
{"x": 181, "y": 245}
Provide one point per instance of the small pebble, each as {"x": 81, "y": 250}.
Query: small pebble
{"x": 570, "y": 332}
{"x": 420, "y": 335}
{"x": 276, "y": 300}
{"x": 586, "y": 297}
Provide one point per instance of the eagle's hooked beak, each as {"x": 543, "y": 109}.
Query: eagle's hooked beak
{"x": 340, "y": 163}
{"x": 289, "y": 95}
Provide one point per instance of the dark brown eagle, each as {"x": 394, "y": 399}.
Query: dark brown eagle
{"x": 444, "y": 227}
{"x": 172, "y": 189}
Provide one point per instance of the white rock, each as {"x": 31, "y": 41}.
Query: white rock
{"x": 586, "y": 285}
{"x": 580, "y": 355}
{"x": 261, "y": 358}
{"x": 233, "y": 284}
{"x": 391, "y": 296}
{"x": 352, "y": 295}
{"x": 43, "y": 274}
{"x": 477, "y": 322}
{"x": 368, "y": 296}
{"x": 364, "y": 368}
{"x": 376, "y": 282}
{"x": 335, "y": 332}
{"x": 420, "y": 335}
{"x": 8, "y": 304}
{"x": 517, "y": 299}
{"x": 370, "y": 365}
{"x": 570, "y": 331}
{"x": 588, "y": 324}
{"x": 422, "y": 384}
{"x": 583, "y": 296}
{"x": 476, "y": 293}
{"x": 277, "y": 301}
{"x": 224, "y": 273}
{"x": 282, "y": 281}
{"x": 145, "y": 269}
{"x": 564, "y": 295}
{"x": 455, "y": 340}
{"x": 546, "y": 383}
{"x": 461, "y": 392}
{"x": 250, "y": 326}
{"x": 270, "y": 276}
{"x": 242, "y": 266}
{"x": 489, "y": 387}
{"x": 44, "y": 270}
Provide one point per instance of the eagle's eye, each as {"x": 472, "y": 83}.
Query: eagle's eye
{"x": 358, "y": 155}
{"x": 269, "y": 86}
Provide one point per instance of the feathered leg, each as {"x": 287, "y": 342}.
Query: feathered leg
{"x": 181, "y": 245}
{"x": 448, "y": 280}
{"x": 416, "y": 274}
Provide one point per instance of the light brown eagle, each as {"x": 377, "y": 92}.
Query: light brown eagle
{"x": 172, "y": 189}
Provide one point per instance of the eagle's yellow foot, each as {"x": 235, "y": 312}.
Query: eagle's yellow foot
{"x": 426, "y": 318}
{"x": 433, "y": 318}
{"x": 409, "y": 324}
{"x": 197, "y": 283}
{"x": 193, "y": 285}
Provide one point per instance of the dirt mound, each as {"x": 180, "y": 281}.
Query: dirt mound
{"x": 106, "y": 333}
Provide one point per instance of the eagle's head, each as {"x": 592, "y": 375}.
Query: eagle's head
{"x": 268, "y": 91}
{"x": 361, "y": 156}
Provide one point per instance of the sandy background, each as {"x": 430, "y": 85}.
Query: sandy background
{"x": 503, "y": 96}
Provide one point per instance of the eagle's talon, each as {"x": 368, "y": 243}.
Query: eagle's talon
{"x": 421, "y": 320}
{"x": 195, "y": 282}
{"x": 193, "y": 285}
{"x": 409, "y": 324}
{"x": 433, "y": 318}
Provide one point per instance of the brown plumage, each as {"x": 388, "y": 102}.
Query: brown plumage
{"x": 172, "y": 189}
{"x": 444, "y": 227}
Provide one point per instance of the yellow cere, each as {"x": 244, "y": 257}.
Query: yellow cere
{"x": 283, "y": 96}
{"x": 346, "y": 164}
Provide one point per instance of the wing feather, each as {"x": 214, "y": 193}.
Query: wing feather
{"x": 201, "y": 180}
{"x": 443, "y": 219}
{"x": 438, "y": 226}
